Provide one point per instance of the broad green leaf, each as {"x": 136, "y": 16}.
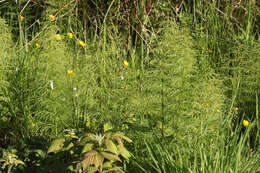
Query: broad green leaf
{"x": 69, "y": 146}
{"x": 124, "y": 152}
{"x": 111, "y": 147}
{"x": 108, "y": 164}
{"x": 108, "y": 126}
{"x": 83, "y": 141}
{"x": 123, "y": 137}
{"x": 71, "y": 168}
{"x": 56, "y": 145}
{"x": 87, "y": 148}
{"x": 89, "y": 136}
{"x": 40, "y": 153}
{"x": 91, "y": 169}
{"x": 114, "y": 169}
{"x": 110, "y": 156}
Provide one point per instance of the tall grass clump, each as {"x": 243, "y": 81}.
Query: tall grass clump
{"x": 233, "y": 155}
{"x": 22, "y": 94}
{"x": 6, "y": 54}
{"x": 245, "y": 82}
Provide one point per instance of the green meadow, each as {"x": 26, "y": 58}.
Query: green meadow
{"x": 119, "y": 86}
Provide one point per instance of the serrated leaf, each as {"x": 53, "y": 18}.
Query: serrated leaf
{"x": 56, "y": 145}
{"x": 123, "y": 137}
{"x": 108, "y": 126}
{"x": 99, "y": 161}
{"x": 111, "y": 147}
{"x": 111, "y": 156}
{"x": 87, "y": 148}
{"x": 124, "y": 152}
{"x": 88, "y": 159}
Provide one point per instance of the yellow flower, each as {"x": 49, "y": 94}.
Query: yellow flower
{"x": 58, "y": 37}
{"x": 82, "y": 43}
{"x": 210, "y": 51}
{"x": 37, "y": 45}
{"x": 51, "y": 17}
{"x": 217, "y": 110}
{"x": 236, "y": 109}
{"x": 70, "y": 72}
{"x": 70, "y": 35}
{"x": 126, "y": 63}
{"x": 245, "y": 123}
{"x": 21, "y": 17}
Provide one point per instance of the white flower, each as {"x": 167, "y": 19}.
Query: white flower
{"x": 122, "y": 77}
{"x": 75, "y": 89}
{"x": 52, "y": 84}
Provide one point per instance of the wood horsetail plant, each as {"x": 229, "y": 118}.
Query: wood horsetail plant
{"x": 92, "y": 152}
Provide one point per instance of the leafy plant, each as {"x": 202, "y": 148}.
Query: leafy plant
{"x": 10, "y": 161}
{"x": 92, "y": 152}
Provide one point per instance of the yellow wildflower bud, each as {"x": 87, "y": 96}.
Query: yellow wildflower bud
{"x": 206, "y": 105}
{"x": 236, "y": 109}
{"x": 245, "y": 123}
{"x": 70, "y": 35}
{"x": 58, "y": 37}
{"x": 126, "y": 63}
{"x": 82, "y": 43}
{"x": 217, "y": 110}
{"x": 21, "y": 17}
{"x": 70, "y": 72}
{"x": 37, "y": 45}
{"x": 51, "y": 17}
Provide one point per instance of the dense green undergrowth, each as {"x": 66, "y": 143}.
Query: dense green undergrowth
{"x": 169, "y": 94}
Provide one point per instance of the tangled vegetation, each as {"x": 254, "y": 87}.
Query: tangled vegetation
{"x": 129, "y": 86}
